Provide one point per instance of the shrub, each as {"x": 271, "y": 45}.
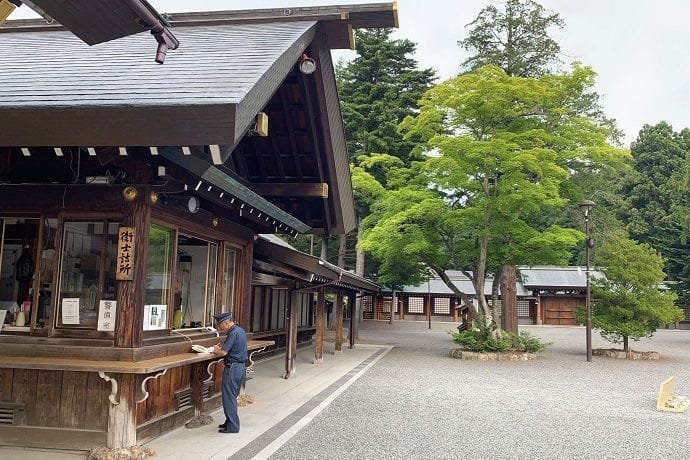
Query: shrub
{"x": 482, "y": 340}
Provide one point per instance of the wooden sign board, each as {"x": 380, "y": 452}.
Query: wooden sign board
{"x": 125, "y": 254}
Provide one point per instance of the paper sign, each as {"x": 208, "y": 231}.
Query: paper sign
{"x": 106, "y": 315}
{"x": 3, "y": 313}
{"x": 155, "y": 317}
{"x": 125, "y": 253}
{"x": 70, "y": 311}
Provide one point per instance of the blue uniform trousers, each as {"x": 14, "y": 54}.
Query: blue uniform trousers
{"x": 233, "y": 376}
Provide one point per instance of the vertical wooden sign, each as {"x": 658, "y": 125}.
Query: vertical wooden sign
{"x": 125, "y": 254}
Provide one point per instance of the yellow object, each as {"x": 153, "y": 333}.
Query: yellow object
{"x": 262, "y": 124}
{"x": 6, "y": 9}
{"x": 669, "y": 402}
{"x": 177, "y": 319}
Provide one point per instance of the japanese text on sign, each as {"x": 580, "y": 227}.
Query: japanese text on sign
{"x": 125, "y": 253}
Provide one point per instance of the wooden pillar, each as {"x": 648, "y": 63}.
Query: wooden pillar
{"x": 122, "y": 417}
{"x": 353, "y": 304}
{"x": 509, "y": 299}
{"x": 291, "y": 335}
{"x": 538, "y": 312}
{"x": 243, "y": 302}
{"x": 130, "y": 293}
{"x": 319, "y": 320}
{"x": 455, "y": 305}
{"x": 338, "y": 323}
{"x": 198, "y": 375}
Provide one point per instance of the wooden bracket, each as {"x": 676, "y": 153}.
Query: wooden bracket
{"x": 113, "y": 387}
{"x": 208, "y": 369}
{"x": 142, "y": 394}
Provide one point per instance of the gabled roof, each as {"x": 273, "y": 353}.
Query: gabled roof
{"x": 57, "y": 93}
{"x": 207, "y": 93}
{"x": 437, "y": 286}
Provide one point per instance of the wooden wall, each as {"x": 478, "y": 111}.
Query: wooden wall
{"x": 55, "y": 399}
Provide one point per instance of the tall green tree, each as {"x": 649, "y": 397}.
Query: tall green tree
{"x": 628, "y": 303}
{"x": 657, "y": 197}
{"x": 514, "y": 37}
{"x": 378, "y": 89}
{"x": 497, "y": 154}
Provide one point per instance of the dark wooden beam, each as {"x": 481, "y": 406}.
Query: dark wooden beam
{"x": 319, "y": 323}
{"x": 318, "y": 190}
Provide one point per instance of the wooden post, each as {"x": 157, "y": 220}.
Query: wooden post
{"x": 338, "y": 323}
{"x": 538, "y": 312}
{"x": 130, "y": 293}
{"x": 509, "y": 299}
{"x": 243, "y": 304}
{"x": 122, "y": 417}
{"x": 353, "y": 304}
{"x": 198, "y": 375}
{"x": 291, "y": 336}
{"x": 319, "y": 317}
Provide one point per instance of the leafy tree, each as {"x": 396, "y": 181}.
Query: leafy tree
{"x": 515, "y": 38}
{"x": 656, "y": 205}
{"x": 378, "y": 89}
{"x": 628, "y": 303}
{"x": 498, "y": 149}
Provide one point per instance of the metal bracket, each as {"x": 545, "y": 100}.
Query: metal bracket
{"x": 142, "y": 395}
{"x": 113, "y": 387}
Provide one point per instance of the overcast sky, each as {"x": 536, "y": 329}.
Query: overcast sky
{"x": 639, "y": 48}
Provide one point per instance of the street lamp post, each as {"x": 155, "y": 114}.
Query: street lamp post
{"x": 587, "y": 206}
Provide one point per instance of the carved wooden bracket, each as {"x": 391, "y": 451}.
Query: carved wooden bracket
{"x": 208, "y": 369}
{"x": 142, "y": 394}
{"x": 113, "y": 387}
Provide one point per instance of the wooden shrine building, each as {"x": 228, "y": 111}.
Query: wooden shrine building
{"x": 132, "y": 200}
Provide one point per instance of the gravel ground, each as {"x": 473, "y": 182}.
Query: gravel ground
{"x": 417, "y": 402}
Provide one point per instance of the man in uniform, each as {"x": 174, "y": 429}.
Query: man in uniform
{"x": 234, "y": 351}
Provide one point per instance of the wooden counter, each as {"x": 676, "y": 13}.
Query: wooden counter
{"x": 147, "y": 366}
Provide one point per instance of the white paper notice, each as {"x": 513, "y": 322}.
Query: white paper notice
{"x": 3, "y": 313}
{"x": 70, "y": 311}
{"x": 106, "y": 315}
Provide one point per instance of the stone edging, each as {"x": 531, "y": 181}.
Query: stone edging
{"x": 459, "y": 353}
{"x": 632, "y": 354}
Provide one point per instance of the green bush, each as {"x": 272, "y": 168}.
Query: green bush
{"x": 524, "y": 341}
{"x": 482, "y": 340}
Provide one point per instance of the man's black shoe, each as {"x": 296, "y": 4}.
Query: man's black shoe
{"x": 222, "y": 425}
{"x": 227, "y": 430}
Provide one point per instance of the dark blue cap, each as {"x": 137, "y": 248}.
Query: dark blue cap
{"x": 220, "y": 317}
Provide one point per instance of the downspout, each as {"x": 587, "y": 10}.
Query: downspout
{"x": 166, "y": 40}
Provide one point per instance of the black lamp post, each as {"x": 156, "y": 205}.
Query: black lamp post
{"x": 587, "y": 206}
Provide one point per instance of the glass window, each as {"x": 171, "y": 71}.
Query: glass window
{"x": 257, "y": 308}
{"x": 195, "y": 289}
{"x": 18, "y": 253}
{"x": 228, "y": 302}
{"x": 87, "y": 275}
{"x": 158, "y": 277}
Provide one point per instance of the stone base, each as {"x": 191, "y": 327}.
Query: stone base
{"x": 502, "y": 356}
{"x": 620, "y": 354}
{"x": 125, "y": 453}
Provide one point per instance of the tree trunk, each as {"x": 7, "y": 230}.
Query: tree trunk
{"x": 495, "y": 288}
{"x": 509, "y": 299}
{"x": 359, "y": 271}
{"x": 626, "y": 345}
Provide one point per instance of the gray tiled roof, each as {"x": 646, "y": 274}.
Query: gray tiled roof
{"x": 556, "y": 277}
{"x": 437, "y": 286}
{"x": 214, "y": 65}
{"x": 56, "y": 90}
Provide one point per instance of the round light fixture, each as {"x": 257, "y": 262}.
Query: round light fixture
{"x": 153, "y": 197}
{"x": 129, "y": 193}
{"x": 193, "y": 204}
{"x": 307, "y": 65}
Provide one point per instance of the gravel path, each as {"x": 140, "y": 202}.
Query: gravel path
{"x": 418, "y": 403}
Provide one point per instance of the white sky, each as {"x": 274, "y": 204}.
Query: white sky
{"x": 639, "y": 48}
